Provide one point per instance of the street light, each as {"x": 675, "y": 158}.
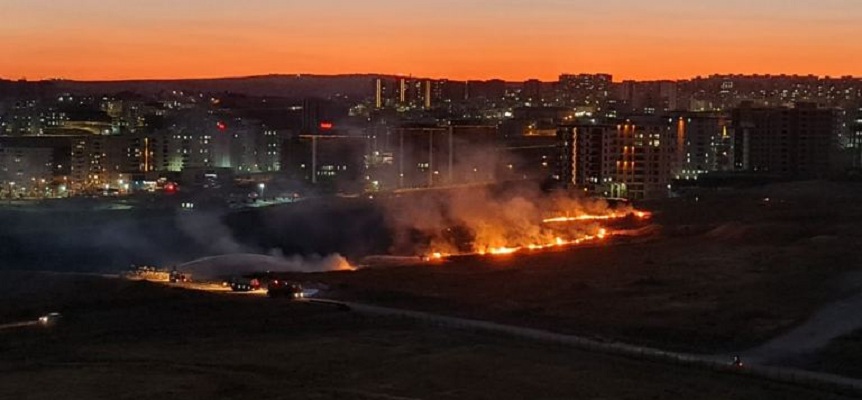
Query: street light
{"x": 262, "y": 187}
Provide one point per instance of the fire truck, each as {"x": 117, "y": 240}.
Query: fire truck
{"x": 243, "y": 284}
{"x": 286, "y": 289}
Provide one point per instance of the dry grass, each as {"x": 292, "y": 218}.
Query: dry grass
{"x": 728, "y": 272}
{"x": 132, "y": 340}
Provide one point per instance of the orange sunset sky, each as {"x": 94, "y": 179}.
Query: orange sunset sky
{"x": 457, "y": 39}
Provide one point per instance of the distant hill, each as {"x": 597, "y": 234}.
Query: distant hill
{"x": 297, "y": 86}
{"x": 293, "y": 86}
{"x": 268, "y": 85}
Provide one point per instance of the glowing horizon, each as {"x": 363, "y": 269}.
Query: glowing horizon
{"x": 454, "y": 39}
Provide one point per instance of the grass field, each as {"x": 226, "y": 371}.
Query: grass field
{"x": 728, "y": 271}
{"x": 134, "y": 340}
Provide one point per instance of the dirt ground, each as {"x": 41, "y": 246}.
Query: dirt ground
{"x": 136, "y": 340}
{"x": 728, "y": 271}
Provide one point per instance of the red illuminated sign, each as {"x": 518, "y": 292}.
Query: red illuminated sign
{"x": 326, "y": 125}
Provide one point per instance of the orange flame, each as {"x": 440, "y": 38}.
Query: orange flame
{"x": 503, "y": 250}
{"x": 540, "y": 243}
{"x": 604, "y": 217}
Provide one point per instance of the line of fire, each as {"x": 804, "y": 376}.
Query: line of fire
{"x": 550, "y": 230}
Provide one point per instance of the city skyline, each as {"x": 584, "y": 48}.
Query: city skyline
{"x": 511, "y": 40}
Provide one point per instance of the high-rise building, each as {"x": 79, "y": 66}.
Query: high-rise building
{"x": 311, "y": 117}
{"x": 587, "y": 91}
{"x": 99, "y": 162}
{"x": 787, "y": 141}
{"x": 331, "y": 162}
{"x": 379, "y": 90}
{"x": 269, "y": 149}
{"x": 853, "y": 140}
{"x": 405, "y": 93}
{"x": 708, "y": 144}
{"x": 587, "y": 158}
{"x": 427, "y": 94}
{"x": 636, "y": 158}
{"x": 33, "y": 165}
{"x": 24, "y": 170}
{"x": 490, "y": 91}
{"x": 532, "y": 91}
{"x": 418, "y": 155}
{"x": 648, "y": 156}
{"x": 650, "y": 97}
{"x": 23, "y": 119}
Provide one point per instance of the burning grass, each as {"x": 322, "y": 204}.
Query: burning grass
{"x": 485, "y": 222}
{"x": 697, "y": 285}
{"x": 552, "y": 233}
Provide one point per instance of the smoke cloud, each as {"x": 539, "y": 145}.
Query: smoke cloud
{"x": 207, "y": 230}
{"x": 231, "y": 257}
{"x": 477, "y": 219}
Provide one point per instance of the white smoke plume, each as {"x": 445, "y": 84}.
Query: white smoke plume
{"x": 233, "y": 258}
{"x": 220, "y": 267}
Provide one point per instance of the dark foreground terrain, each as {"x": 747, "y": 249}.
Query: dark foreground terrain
{"x": 135, "y": 340}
